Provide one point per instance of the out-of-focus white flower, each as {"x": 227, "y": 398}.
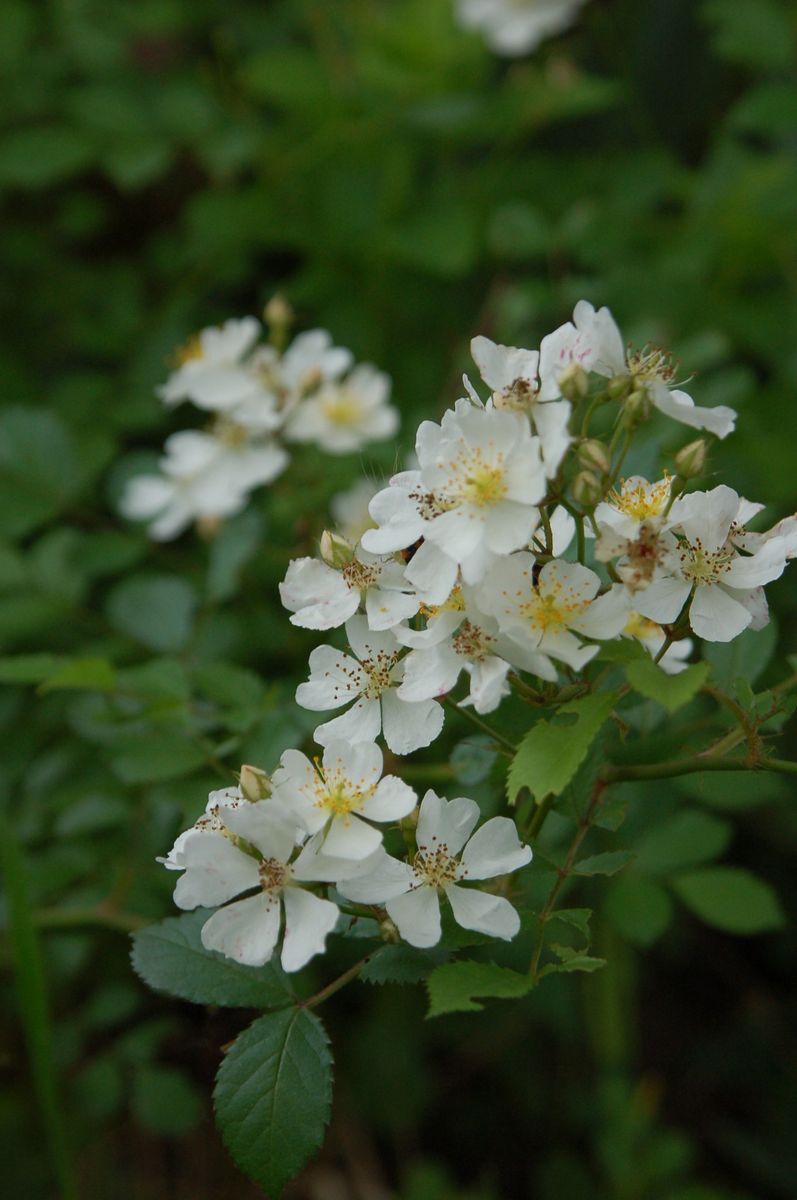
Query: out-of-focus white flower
{"x": 593, "y": 342}
{"x": 515, "y": 27}
{"x": 337, "y": 800}
{"x": 724, "y": 585}
{"x": 511, "y": 374}
{"x": 251, "y": 847}
{"x": 212, "y": 372}
{"x": 322, "y": 597}
{"x": 546, "y": 610}
{"x": 371, "y": 680}
{"x": 343, "y": 415}
{"x": 202, "y": 475}
{"x": 447, "y": 858}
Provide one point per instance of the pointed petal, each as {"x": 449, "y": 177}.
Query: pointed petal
{"x": 493, "y": 915}
{"x": 308, "y": 921}
{"x": 495, "y": 849}
{"x": 416, "y": 915}
{"x": 246, "y": 931}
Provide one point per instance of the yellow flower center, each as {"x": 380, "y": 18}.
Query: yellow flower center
{"x": 552, "y": 609}
{"x": 436, "y": 866}
{"x": 454, "y": 603}
{"x": 273, "y": 874}
{"x": 337, "y": 794}
{"x": 343, "y": 408}
{"x": 703, "y": 566}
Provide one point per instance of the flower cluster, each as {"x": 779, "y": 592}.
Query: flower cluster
{"x": 508, "y": 554}
{"x": 256, "y": 396}
{"x": 515, "y": 27}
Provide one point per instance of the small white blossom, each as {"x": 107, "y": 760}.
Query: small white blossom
{"x": 448, "y": 857}
{"x": 633, "y": 529}
{"x": 336, "y": 800}
{"x": 212, "y": 371}
{"x": 593, "y": 342}
{"x": 344, "y": 415}
{"x": 251, "y": 847}
{"x": 512, "y": 375}
{"x": 725, "y": 586}
{"x": 546, "y": 609}
{"x": 323, "y": 597}
{"x": 515, "y": 27}
{"x": 202, "y": 475}
{"x": 371, "y": 681}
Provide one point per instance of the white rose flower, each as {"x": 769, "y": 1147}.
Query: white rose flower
{"x": 512, "y": 374}
{"x": 337, "y": 799}
{"x": 515, "y": 27}
{"x": 345, "y": 415}
{"x": 545, "y": 611}
{"x": 371, "y": 680}
{"x": 212, "y": 372}
{"x": 323, "y": 597}
{"x": 633, "y": 524}
{"x": 202, "y": 475}
{"x": 593, "y": 341}
{"x": 447, "y": 858}
{"x": 725, "y": 586}
{"x": 253, "y": 848}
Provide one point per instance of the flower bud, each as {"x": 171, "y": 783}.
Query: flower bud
{"x": 335, "y": 550}
{"x": 278, "y": 313}
{"x": 690, "y": 461}
{"x": 574, "y": 382}
{"x": 593, "y": 455}
{"x": 388, "y": 931}
{"x": 619, "y": 387}
{"x": 255, "y": 783}
{"x": 587, "y": 489}
{"x": 638, "y": 405}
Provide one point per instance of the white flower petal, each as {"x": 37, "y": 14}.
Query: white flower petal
{"x": 334, "y": 679}
{"x": 308, "y": 921}
{"x": 246, "y": 930}
{"x": 392, "y": 800}
{"x": 416, "y": 915}
{"x": 495, "y": 849}
{"x": 215, "y": 871}
{"x": 716, "y": 616}
{"x": 380, "y": 878}
{"x": 409, "y": 726}
{"x": 445, "y": 823}
{"x": 351, "y": 839}
{"x": 492, "y": 915}
{"x": 360, "y": 723}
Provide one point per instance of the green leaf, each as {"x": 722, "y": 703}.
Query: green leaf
{"x": 273, "y": 1096}
{"x": 237, "y": 541}
{"x": 170, "y": 958}
{"x": 156, "y": 755}
{"x": 638, "y": 908}
{"x": 730, "y": 898}
{"x": 453, "y": 986}
{"x": 156, "y": 610}
{"x": 671, "y": 691}
{"x": 579, "y": 962}
{"x": 579, "y": 918}
{"x": 552, "y": 751}
{"x": 31, "y": 491}
{"x": 608, "y": 863}
{"x": 28, "y": 668}
{"x": 401, "y": 964}
{"x": 746, "y": 657}
{"x": 94, "y": 673}
{"x": 687, "y": 839}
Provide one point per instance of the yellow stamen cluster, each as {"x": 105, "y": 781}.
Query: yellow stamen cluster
{"x": 642, "y": 500}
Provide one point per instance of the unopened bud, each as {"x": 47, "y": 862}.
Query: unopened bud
{"x": 255, "y": 783}
{"x": 388, "y": 931}
{"x": 278, "y": 313}
{"x": 690, "y": 460}
{"x": 619, "y": 387}
{"x": 335, "y": 550}
{"x": 593, "y": 455}
{"x": 638, "y": 405}
{"x": 574, "y": 382}
{"x": 587, "y": 489}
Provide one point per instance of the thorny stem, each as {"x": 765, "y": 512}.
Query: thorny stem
{"x": 564, "y": 871}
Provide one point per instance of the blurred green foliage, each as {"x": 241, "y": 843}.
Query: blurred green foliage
{"x": 164, "y": 165}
